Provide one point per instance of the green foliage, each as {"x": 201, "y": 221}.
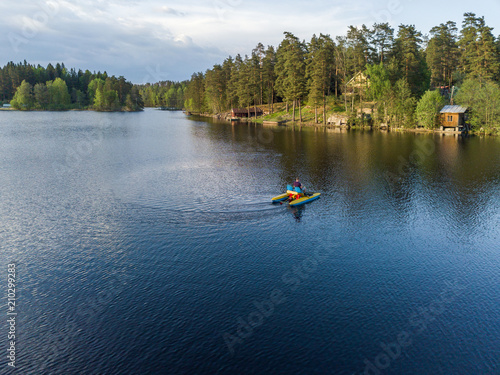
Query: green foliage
{"x": 442, "y": 54}
{"x": 290, "y": 69}
{"x": 319, "y": 70}
{"x": 480, "y": 56}
{"x": 428, "y": 109}
{"x": 58, "y": 88}
{"x": 379, "y": 81}
{"x": 215, "y": 83}
{"x": 409, "y": 59}
{"x": 400, "y": 70}
{"x": 58, "y": 95}
{"x": 23, "y": 98}
{"x": 401, "y": 105}
{"x": 106, "y": 98}
{"x": 382, "y": 38}
{"x": 483, "y": 100}
{"x": 163, "y": 94}
{"x": 195, "y": 93}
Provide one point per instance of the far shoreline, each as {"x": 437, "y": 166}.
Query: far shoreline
{"x": 289, "y": 123}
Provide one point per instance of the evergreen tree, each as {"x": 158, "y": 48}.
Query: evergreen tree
{"x": 258, "y": 55}
{"x": 409, "y": 59}
{"x": 269, "y": 75}
{"x": 402, "y": 106}
{"x": 319, "y": 71}
{"x": 290, "y": 70}
{"x": 244, "y": 84}
{"x": 382, "y": 38}
{"x": 479, "y": 53}
{"x": 215, "y": 89}
{"x": 379, "y": 81}
{"x": 232, "y": 90}
{"x": 196, "y": 94}
{"x": 442, "y": 54}
{"x": 227, "y": 68}
{"x": 359, "y": 48}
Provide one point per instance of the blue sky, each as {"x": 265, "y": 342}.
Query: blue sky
{"x": 152, "y": 40}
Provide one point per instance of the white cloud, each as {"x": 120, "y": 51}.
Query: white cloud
{"x": 135, "y": 38}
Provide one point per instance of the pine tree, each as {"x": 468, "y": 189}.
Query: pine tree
{"x": 360, "y": 50}
{"x": 232, "y": 90}
{"x": 268, "y": 74}
{"x": 442, "y": 54}
{"x": 479, "y": 53}
{"x": 409, "y": 60}
{"x": 382, "y": 38}
{"x": 244, "y": 85}
{"x": 215, "y": 89}
{"x": 319, "y": 71}
{"x": 401, "y": 107}
{"x": 290, "y": 70}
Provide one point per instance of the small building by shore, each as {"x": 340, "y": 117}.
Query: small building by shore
{"x": 244, "y": 112}
{"x": 455, "y": 117}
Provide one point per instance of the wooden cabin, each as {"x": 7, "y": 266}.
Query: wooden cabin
{"x": 360, "y": 82}
{"x": 454, "y": 116}
{"x": 243, "y": 112}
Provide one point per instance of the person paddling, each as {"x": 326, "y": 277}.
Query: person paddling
{"x": 299, "y": 185}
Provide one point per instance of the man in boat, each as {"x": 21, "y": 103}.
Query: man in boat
{"x": 299, "y": 185}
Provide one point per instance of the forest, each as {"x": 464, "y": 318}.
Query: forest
{"x": 29, "y": 87}
{"x": 165, "y": 94}
{"x": 401, "y": 77}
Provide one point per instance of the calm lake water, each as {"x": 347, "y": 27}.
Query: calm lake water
{"x": 146, "y": 243}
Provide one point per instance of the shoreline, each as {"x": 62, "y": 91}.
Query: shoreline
{"x": 63, "y": 110}
{"x": 221, "y": 117}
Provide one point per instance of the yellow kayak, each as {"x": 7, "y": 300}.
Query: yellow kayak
{"x": 304, "y": 199}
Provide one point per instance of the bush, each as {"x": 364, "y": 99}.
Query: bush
{"x": 428, "y": 109}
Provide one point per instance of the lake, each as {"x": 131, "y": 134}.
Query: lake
{"x": 146, "y": 243}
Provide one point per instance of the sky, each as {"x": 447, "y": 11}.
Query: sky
{"x": 155, "y": 40}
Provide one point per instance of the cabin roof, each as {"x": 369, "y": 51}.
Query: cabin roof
{"x": 359, "y": 78}
{"x": 453, "y": 109}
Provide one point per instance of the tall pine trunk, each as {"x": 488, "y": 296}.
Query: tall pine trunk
{"x": 315, "y": 114}
{"x": 324, "y": 111}
{"x": 272, "y": 100}
{"x": 293, "y": 114}
{"x": 300, "y": 111}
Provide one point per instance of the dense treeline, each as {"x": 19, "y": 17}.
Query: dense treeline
{"x": 27, "y": 87}
{"x": 163, "y": 94}
{"x": 403, "y": 75}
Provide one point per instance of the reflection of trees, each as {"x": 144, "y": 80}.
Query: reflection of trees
{"x": 454, "y": 174}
